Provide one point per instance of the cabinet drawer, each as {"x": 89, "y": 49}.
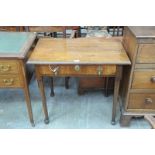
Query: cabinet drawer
{"x": 141, "y": 101}
{"x": 77, "y": 70}
{"x": 146, "y": 53}
{"x": 144, "y": 79}
{"x": 9, "y": 66}
{"x": 10, "y": 81}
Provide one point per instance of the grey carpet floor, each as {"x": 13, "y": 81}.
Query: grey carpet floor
{"x": 67, "y": 110}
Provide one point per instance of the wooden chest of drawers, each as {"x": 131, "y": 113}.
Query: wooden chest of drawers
{"x": 138, "y": 91}
{"x": 14, "y": 51}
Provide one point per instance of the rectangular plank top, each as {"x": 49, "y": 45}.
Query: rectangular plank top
{"x": 79, "y": 51}
{"x": 15, "y": 44}
{"x": 143, "y": 31}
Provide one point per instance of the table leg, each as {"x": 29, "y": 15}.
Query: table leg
{"x": 52, "y": 87}
{"x": 116, "y": 92}
{"x": 106, "y": 86}
{"x": 67, "y": 82}
{"x": 28, "y": 103}
{"x": 125, "y": 120}
{"x": 42, "y": 92}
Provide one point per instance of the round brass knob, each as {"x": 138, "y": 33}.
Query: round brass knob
{"x": 77, "y": 68}
{"x": 153, "y": 79}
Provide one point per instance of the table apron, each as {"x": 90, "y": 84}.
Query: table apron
{"x": 76, "y": 70}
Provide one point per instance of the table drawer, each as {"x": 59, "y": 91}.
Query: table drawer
{"x": 144, "y": 79}
{"x": 141, "y": 101}
{"x": 10, "y": 81}
{"x": 146, "y": 53}
{"x": 77, "y": 70}
{"x": 9, "y": 66}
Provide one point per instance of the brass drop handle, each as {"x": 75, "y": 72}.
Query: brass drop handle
{"x": 77, "y": 68}
{"x": 148, "y": 101}
{"x": 54, "y": 69}
{"x": 5, "y": 68}
{"x": 8, "y": 82}
{"x": 153, "y": 79}
{"x": 99, "y": 70}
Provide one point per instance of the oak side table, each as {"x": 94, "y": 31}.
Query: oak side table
{"x": 81, "y": 57}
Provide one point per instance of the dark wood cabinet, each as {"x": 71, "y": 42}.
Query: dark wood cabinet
{"x": 138, "y": 89}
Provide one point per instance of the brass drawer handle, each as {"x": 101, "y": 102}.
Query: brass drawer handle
{"x": 5, "y": 68}
{"x": 153, "y": 79}
{"x": 77, "y": 68}
{"x": 54, "y": 69}
{"x": 99, "y": 70}
{"x": 8, "y": 82}
{"x": 148, "y": 101}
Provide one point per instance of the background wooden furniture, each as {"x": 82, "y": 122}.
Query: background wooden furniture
{"x": 76, "y": 58}
{"x": 14, "y": 51}
{"x": 115, "y": 30}
{"x": 53, "y": 30}
{"x": 138, "y": 91}
{"x": 11, "y": 28}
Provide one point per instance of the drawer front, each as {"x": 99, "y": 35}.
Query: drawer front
{"x": 146, "y": 53}
{"x": 10, "y": 81}
{"x": 9, "y": 66}
{"x": 141, "y": 101}
{"x": 8, "y": 28}
{"x": 77, "y": 70}
{"x": 144, "y": 79}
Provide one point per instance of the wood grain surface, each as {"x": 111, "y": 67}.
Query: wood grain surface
{"x": 79, "y": 51}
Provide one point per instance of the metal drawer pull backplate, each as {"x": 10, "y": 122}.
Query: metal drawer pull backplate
{"x": 148, "y": 101}
{"x": 5, "y": 68}
{"x": 8, "y": 82}
{"x": 54, "y": 69}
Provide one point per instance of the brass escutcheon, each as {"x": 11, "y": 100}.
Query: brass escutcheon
{"x": 77, "y": 68}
